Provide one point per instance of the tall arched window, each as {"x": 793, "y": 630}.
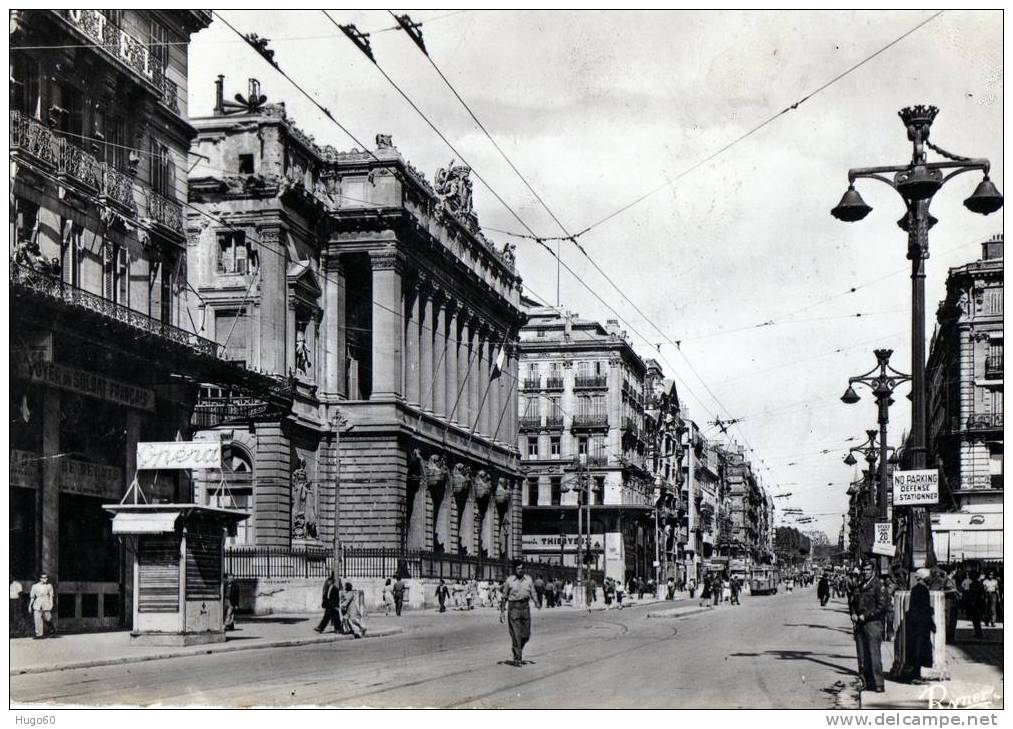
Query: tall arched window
{"x": 237, "y": 473}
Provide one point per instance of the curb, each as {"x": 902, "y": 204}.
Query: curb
{"x": 679, "y": 612}
{"x": 219, "y": 648}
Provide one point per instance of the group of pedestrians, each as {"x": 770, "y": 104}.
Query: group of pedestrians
{"x": 553, "y": 592}
{"x": 467, "y": 594}
{"x": 343, "y": 607}
{"x": 719, "y": 588}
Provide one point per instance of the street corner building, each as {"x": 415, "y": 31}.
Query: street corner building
{"x": 375, "y": 294}
{"x": 965, "y": 394}
{"x": 598, "y": 428}
{"x": 103, "y": 351}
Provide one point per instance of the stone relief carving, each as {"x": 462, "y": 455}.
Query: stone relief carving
{"x": 302, "y": 350}
{"x": 454, "y": 188}
{"x": 304, "y": 511}
{"x": 482, "y": 484}
{"x": 460, "y": 479}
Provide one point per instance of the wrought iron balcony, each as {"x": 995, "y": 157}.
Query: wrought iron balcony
{"x": 985, "y": 421}
{"x": 68, "y": 161}
{"x": 590, "y": 420}
{"x": 554, "y": 383}
{"x": 554, "y": 421}
{"x": 29, "y": 278}
{"x": 167, "y": 213}
{"x": 591, "y": 381}
{"x": 530, "y": 422}
{"x": 993, "y": 367}
{"x": 125, "y": 50}
{"x": 213, "y": 411}
{"x": 532, "y": 383}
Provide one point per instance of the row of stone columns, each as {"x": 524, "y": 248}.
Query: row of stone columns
{"x": 450, "y": 357}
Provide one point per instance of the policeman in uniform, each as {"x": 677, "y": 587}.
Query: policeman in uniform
{"x": 518, "y": 590}
{"x": 868, "y": 606}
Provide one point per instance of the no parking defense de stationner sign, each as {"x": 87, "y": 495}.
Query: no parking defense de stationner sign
{"x": 915, "y": 488}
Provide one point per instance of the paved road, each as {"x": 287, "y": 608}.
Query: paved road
{"x": 781, "y": 651}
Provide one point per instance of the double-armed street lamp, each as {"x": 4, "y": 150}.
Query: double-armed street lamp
{"x": 871, "y": 451}
{"x": 917, "y": 182}
{"x": 882, "y": 380}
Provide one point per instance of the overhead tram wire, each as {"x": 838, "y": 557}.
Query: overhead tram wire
{"x": 758, "y": 127}
{"x": 573, "y": 238}
{"x": 533, "y": 236}
{"x": 277, "y": 39}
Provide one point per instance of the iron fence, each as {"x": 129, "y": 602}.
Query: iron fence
{"x": 278, "y": 562}
{"x": 379, "y": 562}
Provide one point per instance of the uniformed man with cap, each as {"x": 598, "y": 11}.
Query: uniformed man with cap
{"x": 518, "y": 591}
{"x": 868, "y": 605}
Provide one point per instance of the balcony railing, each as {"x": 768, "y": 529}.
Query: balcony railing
{"x": 125, "y": 50}
{"x": 211, "y": 412}
{"x": 530, "y": 422}
{"x": 554, "y": 421}
{"x": 554, "y": 383}
{"x": 27, "y": 277}
{"x": 164, "y": 211}
{"x": 591, "y": 381}
{"x": 532, "y": 383}
{"x": 985, "y": 421}
{"x": 590, "y": 420}
{"x": 993, "y": 367}
{"x": 68, "y": 161}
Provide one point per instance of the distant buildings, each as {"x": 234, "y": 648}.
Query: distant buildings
{"x": 964, "y": 375}
{"x": 581, "y": 413}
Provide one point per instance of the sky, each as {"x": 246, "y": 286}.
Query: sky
{"x": 596, "y": 108}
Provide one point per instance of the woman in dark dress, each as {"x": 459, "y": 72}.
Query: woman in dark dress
{"x": 919, "y": 627}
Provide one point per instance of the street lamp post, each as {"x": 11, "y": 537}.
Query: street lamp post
{"x": 882, "y": 380}
{"x": 870, "y": 450}
{"x": 917, "y": 182}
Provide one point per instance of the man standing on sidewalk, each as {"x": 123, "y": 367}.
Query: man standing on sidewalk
{"x": 398, "y": 595}
{"x": 40, "y": 605}
{"x": 518, "y": 591}
{"x": 868, "y": 608}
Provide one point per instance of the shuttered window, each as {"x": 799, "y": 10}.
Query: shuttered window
{"x": 158, "y": 574}
{"x": 203, "y": 566}
{"x": 233, "y": 327}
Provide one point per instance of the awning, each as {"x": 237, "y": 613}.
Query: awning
{"x": 960, "y": 545}
{"x": 145, "y": 522}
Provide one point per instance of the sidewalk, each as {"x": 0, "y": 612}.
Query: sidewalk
{"x": 976, "y": 677}
{"x": 85, "y": 650}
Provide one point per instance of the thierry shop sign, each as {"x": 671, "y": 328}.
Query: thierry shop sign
{"x": 912, "y": 488}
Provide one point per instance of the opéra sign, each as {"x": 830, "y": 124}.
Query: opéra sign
{"x": 179, "y": 454}
{"x": 911, "y": 488}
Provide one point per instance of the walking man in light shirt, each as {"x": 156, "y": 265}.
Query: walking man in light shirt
{"x": 41, "y": 606}
{"x": 518, "y": 591}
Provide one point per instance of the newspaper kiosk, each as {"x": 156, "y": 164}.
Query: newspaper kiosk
{"x": 179, "y": 559}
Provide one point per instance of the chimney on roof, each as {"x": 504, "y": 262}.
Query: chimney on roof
{"x": 992, "y": 248}
{"x": 612, "y": 326}
{"x": 219, "y": 95}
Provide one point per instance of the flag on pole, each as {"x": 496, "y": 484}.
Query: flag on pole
{"x": 497, "y": 365}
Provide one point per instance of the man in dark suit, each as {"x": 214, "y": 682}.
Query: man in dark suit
{"x": 868, "y": 605}
{"x": 331, "y": 603}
